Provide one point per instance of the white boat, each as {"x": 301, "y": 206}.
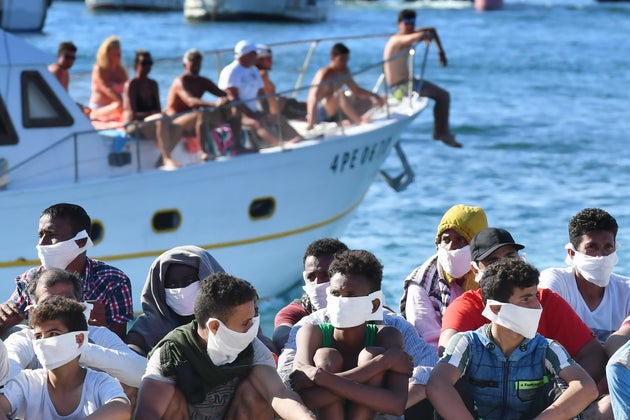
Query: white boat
{"x": 23, "y": 15}
{"x": 135, "y": 4}
{"x": 256, "y": 212}
{"x": 295, "y": 10}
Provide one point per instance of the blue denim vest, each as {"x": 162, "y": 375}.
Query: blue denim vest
{"x": 504, "y": 388}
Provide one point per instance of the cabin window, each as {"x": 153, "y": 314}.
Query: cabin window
{"x": 7, "y": 132}
{"x": 262, "y": 208}
{"x": 166, "y": 220}
{"x": 40, "y": 105}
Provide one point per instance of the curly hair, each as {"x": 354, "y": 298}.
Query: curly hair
{"x": 76, "y": 215}
{"x": 358, "y": 262}
{"x": 324, "y": 246}
{"x": 590, "y": 220}
{"x": 502, "y": 277}
{"x": 220, "y": 293}
{"x": 68, "y": 311}
{"x": 51, "y": 276}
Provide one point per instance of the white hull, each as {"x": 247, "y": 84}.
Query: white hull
{"x": 136, "y": 4}
{"x": 299, "y": 10}
{"x": 23, "y": 15}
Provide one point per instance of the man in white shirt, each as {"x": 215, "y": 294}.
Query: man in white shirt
{"x": 600, "y": 297}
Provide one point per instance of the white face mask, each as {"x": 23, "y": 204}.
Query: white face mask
{"x": 596, "y": 270}
{"x": 182, "y": 300}
{"x": 521, "y": 320}
{"x": 480, "y": 272}
{"x": 316, "y": 292}
{"x": 457, "y": 262}
{"x": 61, "y": 254}
{"x": 56, "y": 351}
{"x": 347, "y": 312}
{"x": 225, "y": 346}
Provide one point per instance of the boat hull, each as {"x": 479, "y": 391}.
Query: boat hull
{"x": 300, "y": 10}
{"x": 23, "y": 16}
{"x": 135, "y": 4}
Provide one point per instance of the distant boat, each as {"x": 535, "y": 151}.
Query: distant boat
{"x": 23, "y": 15}
{"x": 294, "y": 10}
{"x": 135, "y": 4}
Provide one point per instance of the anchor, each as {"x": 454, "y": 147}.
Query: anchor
{"x": 400, "y": 182}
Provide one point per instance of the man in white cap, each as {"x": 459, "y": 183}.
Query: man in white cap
{"x": 243, "y": 84}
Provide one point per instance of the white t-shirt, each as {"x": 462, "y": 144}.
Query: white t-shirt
{"x": 217, "y": 401}
{"x": 246, "y": 79}
{"x": 29, "y": 398}
{"x": 104, "y": 351}
{"x": 610, "y": 313}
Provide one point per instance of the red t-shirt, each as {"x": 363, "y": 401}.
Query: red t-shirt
{"x": 558, "y": 320}
{"x": 290, "y": 314}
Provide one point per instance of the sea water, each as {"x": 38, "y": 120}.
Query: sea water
{"x": 540, "y": 96}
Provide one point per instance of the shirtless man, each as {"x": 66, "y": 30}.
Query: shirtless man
{"x": 397, "y": 72}
{"x": 66, "y": 55}
{"x": 185, "y": 95}
{"x": 142, "y": 111}
{"x": 326, "y": 97}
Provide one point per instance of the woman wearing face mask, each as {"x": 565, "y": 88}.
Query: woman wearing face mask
{"x": 509, "y": 370}
{"x": 431, "y": 287}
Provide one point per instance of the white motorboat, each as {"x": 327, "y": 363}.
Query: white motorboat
{"x": 135, "y": 4}
{"x": 295, "y": 10}
{"x": 255, "y": 212}
{"x": 23, "y": 16}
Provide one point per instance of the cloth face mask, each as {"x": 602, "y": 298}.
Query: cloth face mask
{"x": 596, "y": 270}
{"x": 61, "y": 254}
{"x": 347, "y": 312}
{"x": 521, "y": 320}
{"x": 225, "y": 346}
{"x": 53, "y": 352}
{"x": 182, "y": 300}
{"x": 316, "y": 292}
{"x": 457, "y": 262}
{"x": 480, "y": 272}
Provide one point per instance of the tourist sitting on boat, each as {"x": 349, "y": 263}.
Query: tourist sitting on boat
{"x": 62, "y": 388}
{"x": 64, "y": 238}
{"x": 104, "y": 351}
{"x": 274, "y": 104}
{"x": 108, "y": 81}
{"x": 558, "y": 320}
{"x": 243, "y": 84}
{"x": 143, "y": 113}
{"x": 326, "y": 97}
{"x": 350, "y": 367}
{"x": 600, "y": 297}
{"x": 317, "y": 258}
{"x": 395, "y": 57}
{"x": 542, "y": 378}
{"x": 185, "y": 96}
{"x": 618, "y": 370}
{"x": 432, "y": 286}
{"x": 210, "y": 357}
{"x": 66, "y": 55}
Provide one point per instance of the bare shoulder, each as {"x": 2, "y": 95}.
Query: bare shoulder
{"x": 388, "y": 336}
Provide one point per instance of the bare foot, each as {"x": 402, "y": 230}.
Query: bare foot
{"x": 206, "y": 156}
{"x": 170, "y": 163}
{"x": 449, "y": 140}
{"x": 294, "y": 140}
{"x": 365, "y": 119}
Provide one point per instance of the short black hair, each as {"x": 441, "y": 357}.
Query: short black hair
{"x": 324, "y": 246}
{"x": 66, "y": 46}
{"x": 591, "y": 220}
{"x": 220, "y": 293}
{"x": 140, "y": 54}
{"x": 502, "y": 277}
{"x": 339, "y": 49}
{"x": 406, "y": 14}
{"x": 75, "y": 214}
{"x": 51, "y": 276}
{"x": 68, "y": 311}
{"x": 361, "y": 262}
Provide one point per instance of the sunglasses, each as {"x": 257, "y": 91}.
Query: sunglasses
{"x": 146, "y": 63}
{"x": 69, "y": 57}
{"x": 409, "y": 20}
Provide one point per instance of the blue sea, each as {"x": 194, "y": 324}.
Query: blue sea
{"x": 540, "y": 100}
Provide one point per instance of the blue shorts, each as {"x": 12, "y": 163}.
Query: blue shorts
{"x": 322, "y": 115}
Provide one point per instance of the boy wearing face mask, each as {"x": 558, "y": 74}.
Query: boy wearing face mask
{"x": 350, "y": 368}
{"x": 505, "y": 369}
{"x": 600, "y": 297}
{"x": 208, "y": 358}
{"x": 431, "y": 287}
{"x": 62, "y": 389}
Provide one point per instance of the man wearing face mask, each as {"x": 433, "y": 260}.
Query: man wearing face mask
{"x": 317, "y": 258}
{"x": 63, "y": 388}
{"x": 64, "y": 238}
{"x": 431, "y": 287}
{"x": 505, "y": 369}
{"x": 208, "y": 358}
{"x": 600, "y": 297}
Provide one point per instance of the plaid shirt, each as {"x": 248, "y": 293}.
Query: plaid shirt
{"x": 101, "y": 282}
